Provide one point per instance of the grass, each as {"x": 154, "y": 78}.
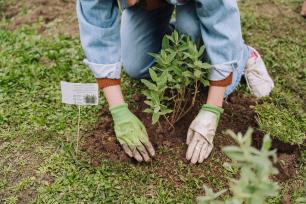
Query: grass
{"x": 287, "y": 121}
{"x": 37, "y": 162}
{"x": 277, "y": 31}
{"x": 37, "y": 134}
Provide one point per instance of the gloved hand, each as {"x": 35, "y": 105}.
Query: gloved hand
{"x": 131, "y": 134}
{"x": 201, "y": 133}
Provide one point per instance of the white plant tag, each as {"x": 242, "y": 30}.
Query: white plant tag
{"x": 80, "y": 93}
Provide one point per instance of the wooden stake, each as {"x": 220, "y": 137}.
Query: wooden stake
{"x": 78, "y": 135}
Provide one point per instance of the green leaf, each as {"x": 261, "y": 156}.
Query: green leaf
{"x": 149, "y": 103}
{"x": 247, "y": 139}
{"x": 197, "y": 74}
{"x": 147, "y": 110}
{"x": 201, "y": 51}
{"x": 188, "y": 74}
{"x": 155, "y": 55}
{"x": 166, "y": 111}
{"x": 234, "y": 153}
{"x": 155, "y": 98}
{"x": 149, "y": 84}
{"x": 205, "y": 66}
{"x": 156, "y": 109}
{"x": 153, "y": 75}
{"x": 146, "y": 92}
{"x": 165, "y": 43}
{"x": 204, "y": 82}
{"x": 172, "y": 56}
{"x": 175, "y": 37}
{"x": 163, "y": 78}
{"x": 267, "y": 143}
{"x": 155, "y": 118}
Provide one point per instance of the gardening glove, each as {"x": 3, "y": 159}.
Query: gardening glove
{"x": 201, "y": 133}
{"x": 131, "y": 134}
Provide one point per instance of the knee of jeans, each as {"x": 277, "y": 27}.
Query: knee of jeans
{"x": 191, "y": 28}
{"x": 134, "y": 68}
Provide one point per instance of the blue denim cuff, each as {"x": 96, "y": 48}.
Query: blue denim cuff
{"x": 221, "y": 71}
{"x": 111, "y": 71}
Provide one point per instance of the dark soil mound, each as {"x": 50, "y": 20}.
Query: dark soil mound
{"x": 238, "y": 116}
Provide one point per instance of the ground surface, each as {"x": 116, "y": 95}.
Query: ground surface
{"x": 39, "y": 47}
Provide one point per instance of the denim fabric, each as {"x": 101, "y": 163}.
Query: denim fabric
{"x": 141, "y": 33}
{"x": 178, "y": 2}
{"x": 100, "y": 36}
{"x": 216, "y": 23}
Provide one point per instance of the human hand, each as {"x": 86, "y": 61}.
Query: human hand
{"x": 201, "y": 133}
{"x": 131, "y": 134}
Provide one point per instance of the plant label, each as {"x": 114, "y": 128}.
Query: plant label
{"x": 80, "y": 93}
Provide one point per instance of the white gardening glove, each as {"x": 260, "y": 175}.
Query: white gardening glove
{"x": 201, "y": 133}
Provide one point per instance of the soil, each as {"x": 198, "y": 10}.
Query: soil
{"x": 286, "y": 199}
{"x": 57, "y": 16}
{"x": 287, "y": 165}
{"x": 102, "y": 144}
{"x": 238, "y": 116}
{"x": 269, "y": 9}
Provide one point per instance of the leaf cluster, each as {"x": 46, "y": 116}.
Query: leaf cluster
{"x": 177, "y": 74}
{"x": 255, "y": 168}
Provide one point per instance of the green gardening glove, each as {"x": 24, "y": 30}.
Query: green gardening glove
{"x": 131, "y": 134}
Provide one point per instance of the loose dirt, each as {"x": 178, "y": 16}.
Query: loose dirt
{"x": 238, "y": 116}
{"x": 287, "y": 164}
{"x": 56, "y": 16}
{"x": 102, "y": 142}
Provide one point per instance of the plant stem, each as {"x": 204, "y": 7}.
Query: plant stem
{"x": 195, "y": 93}
{"x": 178, "y": 109}
{"x": 171, "y": 125}
{"x": 183, "y": 113}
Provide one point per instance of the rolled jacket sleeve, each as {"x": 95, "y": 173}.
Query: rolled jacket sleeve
{"x": 99, "y": 26}
{"x": 222, "y": 71}
{"x": 221, "y": 32}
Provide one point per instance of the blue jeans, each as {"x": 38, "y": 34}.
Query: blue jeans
{"x": 108, "y": 46}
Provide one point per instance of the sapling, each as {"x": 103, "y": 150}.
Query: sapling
{"x": 175, "y": 79}
{"x": 255, "y": 168}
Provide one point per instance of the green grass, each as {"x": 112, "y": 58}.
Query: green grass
{"x": 279, "y": 35}
{"x": 32, "y": 117}
{"x": 283, "y": 118}
{"x": 37, "y": 134}
{"x": 37, "y": 162}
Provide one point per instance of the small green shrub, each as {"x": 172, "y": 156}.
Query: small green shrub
{"x": 255, "y": 167}
{"x": 176, "y": 78}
